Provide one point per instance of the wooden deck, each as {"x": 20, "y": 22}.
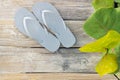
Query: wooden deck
{"x": 21, "y": 58}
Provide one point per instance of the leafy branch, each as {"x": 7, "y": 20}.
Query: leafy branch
{"x": 104, "y": 26}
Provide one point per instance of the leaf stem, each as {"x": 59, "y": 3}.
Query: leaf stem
{"x": 116, "y": 76}
{"x": 107, "y": 50}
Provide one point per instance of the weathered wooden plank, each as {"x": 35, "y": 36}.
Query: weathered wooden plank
{"x": 16, "y": 60}
{"x": 55, "y": 76}
{"x": 72, "y": 9}
{"x": 10, "y": 36}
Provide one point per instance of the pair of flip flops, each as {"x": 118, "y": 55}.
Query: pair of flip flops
{"x": 45, "y": 25}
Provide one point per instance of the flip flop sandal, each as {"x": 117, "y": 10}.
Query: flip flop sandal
{"x": 48, "y": 15}
{"x": 28, "y": 24}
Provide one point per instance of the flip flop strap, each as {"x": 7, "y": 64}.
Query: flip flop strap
{"x": 25, "y": 25}
{"x": 26, "y": 29}
{"x": 43, "y": 17}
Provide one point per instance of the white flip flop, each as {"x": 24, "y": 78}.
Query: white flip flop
{"x": 48, "y": 15}
{"x": 28, "y": 24}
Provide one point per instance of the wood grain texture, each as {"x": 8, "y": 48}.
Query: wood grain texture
{"x": 55, "y": 76}
{"x": 10, "y": 36}
{"x": 70, "y": 10}
{"x": 20, "y": 54}
{"x": 16, "y": 60}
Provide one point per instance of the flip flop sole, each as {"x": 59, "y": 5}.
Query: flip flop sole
{"x": 28, "y": 24}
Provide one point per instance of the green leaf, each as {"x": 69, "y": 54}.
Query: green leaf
{"x": 118, "y": 71}
{"x": 110, "y": 40}
{"x": 103, "y": 20}
{"x": 117, "y": 1}
{"x": 97, "y": 4}
{"x": 118, "y": 4}
{"x": 108, "y": 64}
{"x": 117, "y": 50}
